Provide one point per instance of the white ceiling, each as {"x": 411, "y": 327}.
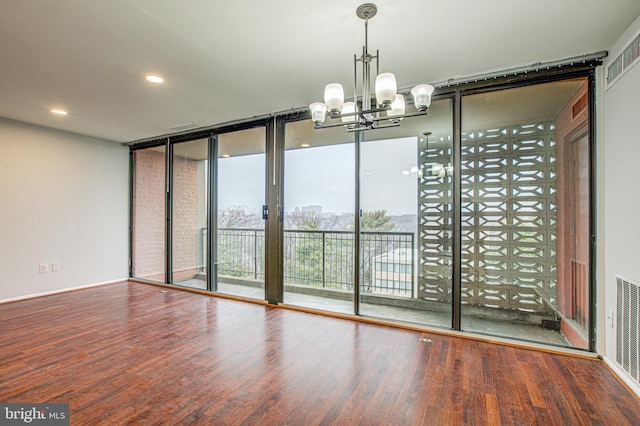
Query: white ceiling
{"x": 228, "y": 60}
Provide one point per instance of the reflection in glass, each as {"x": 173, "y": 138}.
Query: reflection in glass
{"x": 239, "y": 256}
{"x": 189, "y": 213}
{"x": 405, "y": 224}
{"x": 149, "y": 216}
{"x": 319, "y": 193}
{"x": 525, "y": 213}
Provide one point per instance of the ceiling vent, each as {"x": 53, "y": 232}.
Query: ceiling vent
{"x": 628, "y": 326}
{"x": 624, "y": 61}
{"x": 183, "y": 127}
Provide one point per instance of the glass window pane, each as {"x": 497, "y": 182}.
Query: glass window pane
{"x": 149, "y": 215}
{"x": 405, "y": 197}
{"x": 189, "y": 225}
{"x": 240, "y": 228}
{"x": 525, "y": 213}
{"x": 319, "y": 203}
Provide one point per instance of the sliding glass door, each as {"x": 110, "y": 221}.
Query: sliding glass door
{"x": 475, "y": 217}
{"x": 525, "y": 212}
{"x": 148, "y": 249}
{"x": 319, "y": 200}
{"x": 239, "y": 233}
{"x": 189, "y": 213}
{"x": 406, "y": 219}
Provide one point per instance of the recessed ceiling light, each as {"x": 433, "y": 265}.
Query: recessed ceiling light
{"x": 155, "y": 79}
{"x": 59, "y": 111}
{"x": 225, "y": 156}
{"x": 305, "y": 145}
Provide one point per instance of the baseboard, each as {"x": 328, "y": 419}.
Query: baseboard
{"x": 62, "y": 290}
{"x": 622, "y": 376}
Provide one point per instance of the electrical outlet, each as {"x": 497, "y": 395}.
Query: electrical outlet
{"x": 55, "y": 267}
{"x": 43, "y": 268}
{"x": 610, "y": 318}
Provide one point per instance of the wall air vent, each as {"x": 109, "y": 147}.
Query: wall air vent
{"x": 624, "y": 61}
{"x": 614, "y": 70}
{"x": 628, "y": 326}
{"x": 631, "y": 53}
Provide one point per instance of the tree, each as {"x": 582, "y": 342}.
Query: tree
{"x": 236, "y": 248}
{"x": 306, "y": 263}
{"x": 236, "y": 217}
{"x": 312, "y": 220}
{"x": 375, "y": 220}
{"x": 308, "y": 220}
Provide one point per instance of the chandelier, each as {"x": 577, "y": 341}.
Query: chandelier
{"x": 360, "y": 115}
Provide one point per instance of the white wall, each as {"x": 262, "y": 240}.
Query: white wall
{"x": 620, "y": 195}
{"x": 64, "y": 199}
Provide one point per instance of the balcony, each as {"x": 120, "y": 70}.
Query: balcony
{"x": 324, "y": 259}
{"x": 318, "y": 274}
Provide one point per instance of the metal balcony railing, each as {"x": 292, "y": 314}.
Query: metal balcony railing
{"x": 324, "y": 258}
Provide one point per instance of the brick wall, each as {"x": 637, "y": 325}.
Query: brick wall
{"x": 572, "y": 258}
{"x": 149, "y": 214}
{"x": 185, "y": 219}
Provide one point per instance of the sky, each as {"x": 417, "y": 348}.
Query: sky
{"x": 325, "y": 176}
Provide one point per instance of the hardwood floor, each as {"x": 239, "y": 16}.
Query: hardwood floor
{"x": 128, "y": 353}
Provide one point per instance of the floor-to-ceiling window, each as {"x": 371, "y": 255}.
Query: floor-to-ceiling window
{"x": 406, "y": 219}
{"x": 239, "y": 192}
{"x": 149, "y": 214}
{"x": 319, "y": 202}
{"x": 189, "y": 213}
{"x": 512, "y": 258}
{"x": 525, "y": 212}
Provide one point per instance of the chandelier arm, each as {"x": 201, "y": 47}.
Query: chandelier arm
{"x": 371, "y": 127}
{"x": 355, "y": 81}
{"x": 378, "y": 73}
{"x": 366, "y": 93}
{"x": 360, "y": 113}
{"x": 384, "y": 126}
{"x": 360, "y": 128}
{"x": 398, "y": 117}
{"x": 326, "y": 126}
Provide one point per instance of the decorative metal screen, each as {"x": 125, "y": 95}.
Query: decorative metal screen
{"x": 434, "y": 219}
{"x": 508, "y": 219}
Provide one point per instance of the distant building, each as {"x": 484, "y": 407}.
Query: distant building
{"x": 393, "y": 273}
